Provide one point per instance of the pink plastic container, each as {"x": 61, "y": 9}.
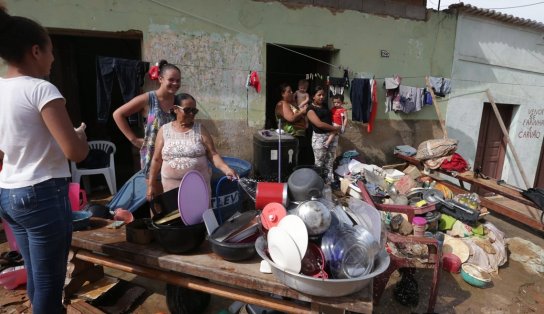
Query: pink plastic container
{"x": 77, "y": 196}
{"x": 11, "y": 238}
{"x": 13, "y": 277}
{"x": 419, "y": 224}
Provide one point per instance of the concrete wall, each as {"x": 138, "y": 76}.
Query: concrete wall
{"x": 216, "y": 43}
{"x": 507, "y": 60}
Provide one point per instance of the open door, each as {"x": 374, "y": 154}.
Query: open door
{"x": 491, "y": 149}
{"x": 539, "y": 179}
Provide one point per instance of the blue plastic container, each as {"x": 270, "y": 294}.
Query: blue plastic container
{"x": 226, "y": 196}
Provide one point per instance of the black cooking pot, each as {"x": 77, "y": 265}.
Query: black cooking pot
{"x": 245, "y": 224}
{"x": 138, "y": 231}
{"x": 233, "y": 251}
{"x": 176, "y": 237}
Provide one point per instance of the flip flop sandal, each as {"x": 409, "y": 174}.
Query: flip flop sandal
{"x": 11, "y": 258}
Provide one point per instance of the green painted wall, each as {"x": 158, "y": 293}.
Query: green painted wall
{"x": 191, "y": 33}
{"x": 216, "y": 42}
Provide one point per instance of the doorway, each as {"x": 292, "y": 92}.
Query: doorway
{"x": 491, "y": 147}
{"x": 74, "y": 73}
{"x": 285, "y": 66}
{"x": 539, "y": 179}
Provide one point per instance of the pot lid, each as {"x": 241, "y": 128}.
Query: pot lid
{"x": 193, "y": 197}
{"x": 272, "y": 214}
{"x": 233, "y": 224}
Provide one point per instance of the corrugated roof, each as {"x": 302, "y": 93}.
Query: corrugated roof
{"x": 470, "y": 9}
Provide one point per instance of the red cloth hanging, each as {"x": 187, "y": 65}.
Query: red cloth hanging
{"x": 254, "y": 81}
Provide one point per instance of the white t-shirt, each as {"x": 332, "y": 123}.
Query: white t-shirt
{"x": 31, "y": 154}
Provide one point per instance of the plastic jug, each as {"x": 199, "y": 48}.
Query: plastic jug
{"x": 77, "y": 196}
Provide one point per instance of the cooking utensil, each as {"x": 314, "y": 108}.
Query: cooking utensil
{"x": 436, "y": 196}
{"x": 316, "y": 216}
{"x": 320, "y": 286}
{"x": 268, "y": 192}
{"x": 168, "y": 218}
{"x": 178, "y": 238}
{"x": 233, "y": 224}
{"x": 193, "y": 197}
{"x": 304, "y": 183}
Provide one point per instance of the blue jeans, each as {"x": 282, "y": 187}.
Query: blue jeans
{"x": 130, "y": 75}
{"x": 41, "y": 219}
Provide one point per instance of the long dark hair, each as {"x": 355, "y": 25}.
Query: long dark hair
{"x": 17, "y": 35}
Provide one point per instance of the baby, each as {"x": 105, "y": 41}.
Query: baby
{"x": 339, "y": 117}
{"x": 301, "y": 96}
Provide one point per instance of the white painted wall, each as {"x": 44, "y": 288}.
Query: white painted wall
{"x": 509, "y": 61}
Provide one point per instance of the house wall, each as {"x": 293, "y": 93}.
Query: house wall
{"x": 216, "y": 43}
{"x": 507, "y": 60}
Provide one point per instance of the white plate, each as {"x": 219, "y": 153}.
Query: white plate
{"x": 283, "y": 250}
{"x": 294, "y": 225}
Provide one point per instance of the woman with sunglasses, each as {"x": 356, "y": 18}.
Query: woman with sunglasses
{"x": 156, "y": 105}
{"x": 183, "y": 145}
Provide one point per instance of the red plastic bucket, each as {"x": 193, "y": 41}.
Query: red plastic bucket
{"x": 451, "y": 263}
{"x": 268, "y": 192}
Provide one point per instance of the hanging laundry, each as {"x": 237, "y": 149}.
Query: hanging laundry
{"x": 411, "y": 99}
{"x": 361, "y": 99}
{"x": 346, "y": 79}
{"x": 392, "y": 97}
{"x": 441, "y": 86}
{"x": 336, "y": 85}
{"x": 130, "y": 76}
{"x": 374, "y": 106}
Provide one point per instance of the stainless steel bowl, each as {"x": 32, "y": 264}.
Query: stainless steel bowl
{"x": 323, "y": 287}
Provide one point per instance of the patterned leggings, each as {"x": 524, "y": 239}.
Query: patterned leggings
{"x": 324, "y": 157}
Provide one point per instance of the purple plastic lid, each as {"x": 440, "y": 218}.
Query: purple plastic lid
{"x": 420, "y": 221}
{"x": 193, "y": 197}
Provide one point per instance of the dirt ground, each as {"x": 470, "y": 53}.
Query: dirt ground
{"x": 515, "y": 290}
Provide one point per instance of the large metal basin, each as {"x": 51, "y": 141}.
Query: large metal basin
{"x": 323, "y": 287}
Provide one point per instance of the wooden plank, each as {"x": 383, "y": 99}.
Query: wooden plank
{"x": 436, "y": 107}
{"x": 204, "y": 264}
{"x": 468, "y": 177}
{"x": 500, "y": 209}
{"x": 82, "y": 307}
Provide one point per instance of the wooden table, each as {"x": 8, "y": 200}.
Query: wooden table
{"x": 203, "y": 271}
{"x": 530, "y": 218}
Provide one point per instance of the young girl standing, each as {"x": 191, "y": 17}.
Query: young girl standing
{"x": 36, "y": 137}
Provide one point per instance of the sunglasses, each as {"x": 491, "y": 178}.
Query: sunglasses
{"x": 188, "y": 110}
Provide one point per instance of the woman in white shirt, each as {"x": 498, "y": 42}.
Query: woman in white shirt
{"x": 36, "y": 138}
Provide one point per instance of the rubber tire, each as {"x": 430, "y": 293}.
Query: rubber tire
{"x": 186, "y": 301}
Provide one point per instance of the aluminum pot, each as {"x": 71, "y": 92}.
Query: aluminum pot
{"x": 304, "y": 183}
{"x": 316, "y": 216}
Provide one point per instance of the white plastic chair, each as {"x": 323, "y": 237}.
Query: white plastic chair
{"x": 107, "y": 171}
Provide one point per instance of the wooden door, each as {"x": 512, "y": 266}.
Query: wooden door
{"x": 491, "y": 148}
{"x": 539, "y": 179}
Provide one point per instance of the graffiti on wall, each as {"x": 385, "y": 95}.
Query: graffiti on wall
{"x": 532, "y": 125}
{"x": 214, "y": 66}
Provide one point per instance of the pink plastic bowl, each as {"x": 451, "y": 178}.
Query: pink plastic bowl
{"x": 13, "y": 277}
